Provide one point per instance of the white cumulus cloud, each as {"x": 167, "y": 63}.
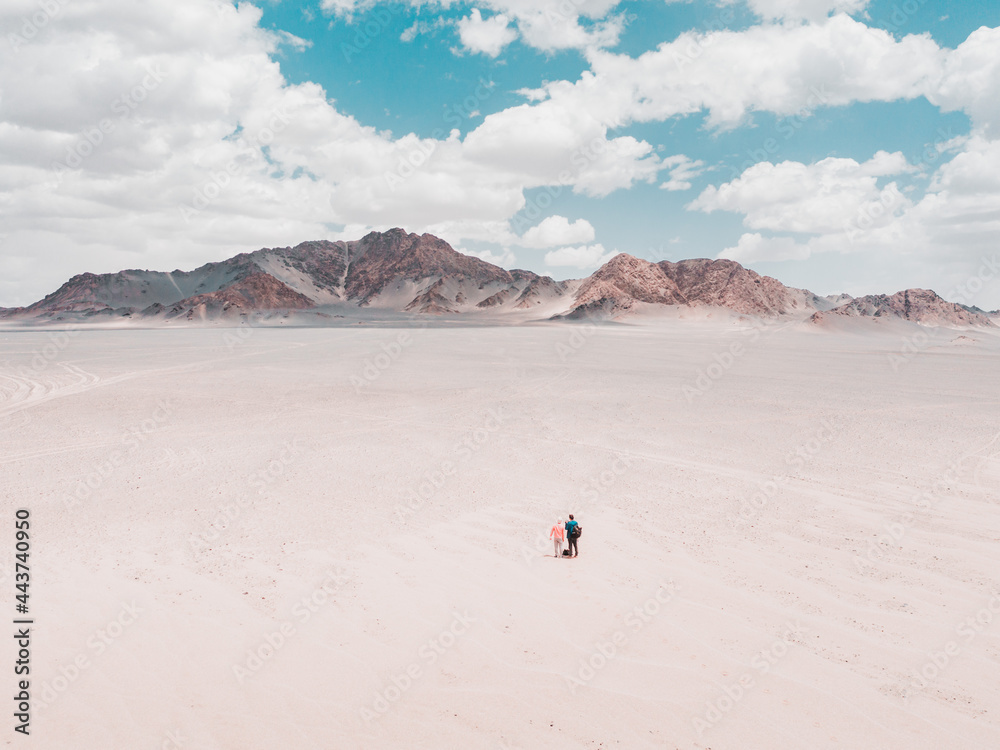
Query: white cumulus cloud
{"x": 945, "y": 240}
{"x": 682, "y": 171}
{"x": 753, "y": 247}
{"x": 812, "y": 198}
{"x": 583, "y": 257}
{"x": 488, "y": 36}
{"x": 808, "y": 9}
{"x": 172, "y": 136}
{"x": 505, "y": 258}
{"x": 558, "y": 230}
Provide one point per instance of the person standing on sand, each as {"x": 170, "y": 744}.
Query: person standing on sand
{"x": 556, "y": 535}
{"x": 571, "y": 535}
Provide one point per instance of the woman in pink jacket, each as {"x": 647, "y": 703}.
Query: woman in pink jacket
{"x": 557, "y": 535}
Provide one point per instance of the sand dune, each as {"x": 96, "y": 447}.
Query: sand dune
{"x": 336, "y": 538}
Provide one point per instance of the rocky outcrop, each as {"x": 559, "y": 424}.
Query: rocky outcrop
{"x": 396, "y": 271}
{"x": 257, "y": 291}
{"x": 915, "y": 305}
{"x": 625, "y": 280}
{"x": 382, "y": 259}
{"x": 392, "y": 270}
{"x": 725, "y": 283}
{"x": 432, "y": 301}
{"x": 495, "y": 300}
{"x": 539, "y": 291}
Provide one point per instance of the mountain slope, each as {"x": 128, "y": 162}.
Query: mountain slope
{"x": 313, "y": 269}
{"x": 915, "y": 305}
{"x": 625, "y": 280}
{"x": 396, "y": 273}
{"x": 257, "y": 291}
{"x": 391, "y": 270}
{"x": 380, "y": 260}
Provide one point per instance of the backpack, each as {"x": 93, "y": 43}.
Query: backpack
{"x": 577, "y": 532}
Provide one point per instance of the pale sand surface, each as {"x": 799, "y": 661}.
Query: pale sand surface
{"x": 825, "y": 629}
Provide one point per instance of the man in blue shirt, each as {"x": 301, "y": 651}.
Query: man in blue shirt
{"x": 571, "y": 536}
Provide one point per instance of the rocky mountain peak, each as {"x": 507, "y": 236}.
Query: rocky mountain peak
{"x": 915, "y": 305}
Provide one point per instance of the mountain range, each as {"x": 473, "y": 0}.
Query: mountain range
{"x": 395, "y": 273}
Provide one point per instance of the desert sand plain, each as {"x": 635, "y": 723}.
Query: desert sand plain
{"x": 337, "y": 538}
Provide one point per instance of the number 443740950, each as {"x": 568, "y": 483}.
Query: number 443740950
{"x": 22, "y": 571}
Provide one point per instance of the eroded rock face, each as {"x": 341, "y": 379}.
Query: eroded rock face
{"x": 495, "y": 300}
{"x": 398, "y": 271}
{"x": 381, "y": 259}
{"x": 725, "y": 283}
{"x": 432, "y": 301}
{"x": 625, "y": 280}
{"x": 257, "y": 291}
{"x": 539, "y": 290}
{"x": 915, "y": 305}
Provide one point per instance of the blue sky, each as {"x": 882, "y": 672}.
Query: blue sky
{"x": 841, "y": 145}
{"x": 413, "y": 86}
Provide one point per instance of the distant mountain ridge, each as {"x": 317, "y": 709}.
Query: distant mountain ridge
{"x": 625, "y": 280}
{"x": 392, "y": 270}
{"x": 398, "y": 273}
{"x": 915, "y": 305}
